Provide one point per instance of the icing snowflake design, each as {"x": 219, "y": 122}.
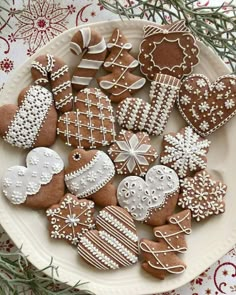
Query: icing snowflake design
{"x": 202, "y": 195}
{"x": 185, "y": 152}
{"x": 132, "y": 153}
{"x": 71, "y": 219}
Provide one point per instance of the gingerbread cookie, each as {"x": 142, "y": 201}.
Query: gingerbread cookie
{"x": 132, "y": 153}
{"x": 71, "y": 218}
{"x": 138, "y": 115}
{"x": 205, "y": 106}
{"x": 115, "y": 242}
{"x": 159, "y": 41}
{"x": 91, "y": 125}
{"x": 121, "y": 83}
{"x": 92, "y": 46}
{"x": 89, "y": 175}
{"x": 203, "y": 195}
{"x": 33, "y": 122}
{"x": 38, "y": 185}
{"x": 184, "y": 151}
{"x": 140, "y": 197}
{"x": 48, "y": 68}
{"x": 160, "y": 258}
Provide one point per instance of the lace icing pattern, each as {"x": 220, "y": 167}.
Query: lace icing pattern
{"x": 28, "y": 120}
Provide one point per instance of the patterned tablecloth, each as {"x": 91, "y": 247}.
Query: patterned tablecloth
{"x": 22, "y": 34}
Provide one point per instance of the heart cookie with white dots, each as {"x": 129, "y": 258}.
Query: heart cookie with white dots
{"x": 205, "y": 106}
{"x": 38, "y": 185}
{"x": 115, "y": 242}
{"x": 139, "y": 196}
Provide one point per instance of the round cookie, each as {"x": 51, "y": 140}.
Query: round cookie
{"x": 89, "y": 175}
{"x": 71, "y": 218}
{"x": 91, "y": 125}
{"x": 184, "y": 151}
{"x": 33, "y": 122}
{"x": 38, "y": 185}
{"x": 132, "y": 153}
{"x": 153, "y": 200}
{"x": 115, "y": 242}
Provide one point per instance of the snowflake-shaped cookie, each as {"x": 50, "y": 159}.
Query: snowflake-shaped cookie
{"x": 202, "y": 195}
{"x": 132, "y": 153}
{"x": 71, "y": 218}
{"x": 185, "y": 152}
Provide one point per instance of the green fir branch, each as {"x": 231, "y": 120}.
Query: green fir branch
{"x": 19, "y": 277}
{"x": 213, "y": 25}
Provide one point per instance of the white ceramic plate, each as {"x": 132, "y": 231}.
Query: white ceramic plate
{"x": 209, "y": 240}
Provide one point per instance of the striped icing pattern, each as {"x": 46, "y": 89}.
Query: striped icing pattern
{"x": 114, "y": 244}
{"x": 94, "y": 54}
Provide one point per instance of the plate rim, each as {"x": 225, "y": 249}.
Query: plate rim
{"x": 27, "y": 248}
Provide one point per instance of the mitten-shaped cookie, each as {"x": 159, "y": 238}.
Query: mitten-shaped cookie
{"x": 38, "y": 185}
{"x": 153, "y": 200}
{"x": 161, "y": 257}
{"x": 121, "y": 83}
{"x": 48, "y": 68}
{"x": 89, "y": 175}
{"x": 33, "y": 122}
{"x": 91, "y": 125}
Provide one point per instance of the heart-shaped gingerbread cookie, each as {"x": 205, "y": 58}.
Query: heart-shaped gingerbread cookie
{"x": 138, "y": 115}
{"x": 33, "y": 123}
{"x": 38, "y": 185}
{"x": 139, "y": 197}
{"x": 205, "y": 106}
{"x": 91, "y": 125}
{"x": 115, "y": 242}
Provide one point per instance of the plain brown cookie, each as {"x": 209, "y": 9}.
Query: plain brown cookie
{"x": 48, "y": 68}
{"x": 33, "y": 122}
{"x": 89, "y": 175}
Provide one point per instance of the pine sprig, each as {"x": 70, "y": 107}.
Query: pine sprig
{"x": 19, "y": 277}
{"x": 213, "y": 25}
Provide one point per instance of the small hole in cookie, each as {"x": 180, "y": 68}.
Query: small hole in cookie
{"x": 77, "y": 157}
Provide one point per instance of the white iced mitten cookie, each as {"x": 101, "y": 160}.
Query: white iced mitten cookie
{"x": 144, "y": 198}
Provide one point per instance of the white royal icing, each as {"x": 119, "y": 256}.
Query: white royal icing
{"x": 116, "y": 242}
{"x": 19, "y": 181}
{"x": 88, "y": 49}
{"x": 120, "y": 81}
{"x": 139, "y": 196}
{"x": 28, "y": 120}
{"x": 92, "y": 177}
